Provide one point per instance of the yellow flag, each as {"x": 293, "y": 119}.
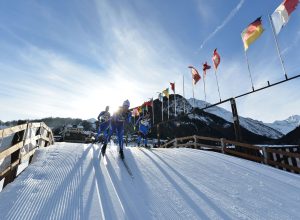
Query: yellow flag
{"x": 166, "y": 92}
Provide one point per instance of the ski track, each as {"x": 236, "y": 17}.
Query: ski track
{"x": 70, "y": 181}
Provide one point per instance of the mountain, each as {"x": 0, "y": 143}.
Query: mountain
{"x": 92, "y": 120}
{"x": 255, "y": 126}
{"x": 198, "y": 122}
{"x": 287, "y": 125}
{"x": 292, "y": 137}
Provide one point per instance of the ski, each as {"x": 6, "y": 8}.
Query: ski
{"x": 102, "y": 155}
{"x": 127, "y": 168}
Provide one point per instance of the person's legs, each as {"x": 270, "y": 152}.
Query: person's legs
{"x": 105, "y": 130}
{"x": 139, "y": 139}
{"x": 145, "y": 140}
{"x": 110, "y": 131}
{"x": 120, "y": 133}
{"x": 98, "y": 133}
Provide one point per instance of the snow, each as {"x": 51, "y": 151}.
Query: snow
{"x": 67, "y": 181}
{"x": 287, "y": 125}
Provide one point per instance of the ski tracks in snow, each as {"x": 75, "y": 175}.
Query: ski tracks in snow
{"x": 70, "y": 181}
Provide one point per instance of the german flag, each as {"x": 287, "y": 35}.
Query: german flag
{"x": 252, "y": 32}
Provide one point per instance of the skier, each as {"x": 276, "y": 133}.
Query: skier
{"x": 104, "y": 121}
{"x": 144, "y": 125}
{"x": 122, "y": 116}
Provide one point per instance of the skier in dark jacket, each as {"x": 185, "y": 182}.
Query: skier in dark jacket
{"x": 122, "y": 116}
{"x": 104, "y": 121}
{"x": 144, "y": 125}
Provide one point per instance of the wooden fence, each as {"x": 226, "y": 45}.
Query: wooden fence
{"x": 23, "y": 141}
{"x": 284, "y": 157}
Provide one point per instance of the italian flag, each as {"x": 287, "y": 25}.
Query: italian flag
{"x": 281, "y": 15}
{"x": 252, "y": 32}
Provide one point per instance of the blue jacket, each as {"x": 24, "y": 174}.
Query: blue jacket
{"x": 121, "y": 116}
{"x": 104, "y": 116}
{"x": 144, "y": 124}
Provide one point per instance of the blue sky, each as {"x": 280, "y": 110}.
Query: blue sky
{"x": 72, "y": 58}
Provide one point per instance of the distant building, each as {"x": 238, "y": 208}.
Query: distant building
{"x": 74, "y": 133}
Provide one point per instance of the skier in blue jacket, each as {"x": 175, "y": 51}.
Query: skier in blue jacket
{"x": 144, "y": 125}
{"x": 104, "y": 121}
{"x": 119, "y": 118}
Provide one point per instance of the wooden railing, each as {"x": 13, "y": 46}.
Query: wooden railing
{"x": 23, "y": 141}
{"x": 286, "y": 158}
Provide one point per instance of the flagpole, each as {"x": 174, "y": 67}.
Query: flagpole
{"x": 175, "y": 100}
{"x": 152, "y": 112}
{"x": 193, "y": 94}
{"x": 249, "y": 69}
{"x": 162, "y": 109}
{"x": 204, "y": 87}
{"x": 168, "y": 108}
{"x": 183, "y": 94}
{"x": 277, "y": 47}
{"x": 218, "y": 84}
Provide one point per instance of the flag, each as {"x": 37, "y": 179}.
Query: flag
{"x": 205, "y": 67}
{"x": 252, "y": 32}
{"x": 149, "y": 103}
{"x": 216, "y": 59}
{"x": 195, "y": 75}
{"x": 140, "y": 109}
{"x": 166, "y": 92}
{"x": 160, "y": 97}
{"x": 280, "y": 16}
{"x": 173, "y": 86}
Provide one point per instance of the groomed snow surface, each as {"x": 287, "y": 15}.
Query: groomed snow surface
{"x": 67, "y": 181}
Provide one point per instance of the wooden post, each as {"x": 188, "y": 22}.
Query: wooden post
{"x": 18, "y": 137}
{"x": 223, "y": 145}
{"x": 175, "y": 143}
{"x": 265, "y": 153}
{"x": 195, "y": 141}
{"x": 236, "y": 122}
{"x": 158, "y": 135}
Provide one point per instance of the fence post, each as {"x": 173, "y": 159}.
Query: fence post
{"x": 175, "y": 143}
{"x": 265, "y": 153}
{"x": 158, "y": 135}
{"x": 223, "y": 145}
{"x": 42, "y": 141}
{"x": 15, "y": 156}
{"x": 195, "y": 141}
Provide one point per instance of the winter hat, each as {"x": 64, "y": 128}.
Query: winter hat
{"x": 126, "y": 103}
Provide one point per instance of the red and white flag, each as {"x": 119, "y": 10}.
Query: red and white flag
{"x": 205, "y": 67}
{"x": 281, "y": 15}
{"x": 173, "y": 86}
{"x": 216, "y": 59}
{"x": 195, "y": 75}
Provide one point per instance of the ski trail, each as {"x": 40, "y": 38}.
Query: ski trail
{"x": 110, "y": 205}
{"x": 125, "y": 185}
{"x": 40, "y": 183}
{"x": 69, "y": 181}
{"x": 96, "y": 170}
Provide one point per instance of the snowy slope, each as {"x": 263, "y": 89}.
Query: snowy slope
{"x": 68, "y": 182}
{"x": 257, "y": 127}
{"x": 286, "y": 126}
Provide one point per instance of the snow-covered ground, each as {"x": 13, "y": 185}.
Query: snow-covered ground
{"x": 67, "y": 181}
